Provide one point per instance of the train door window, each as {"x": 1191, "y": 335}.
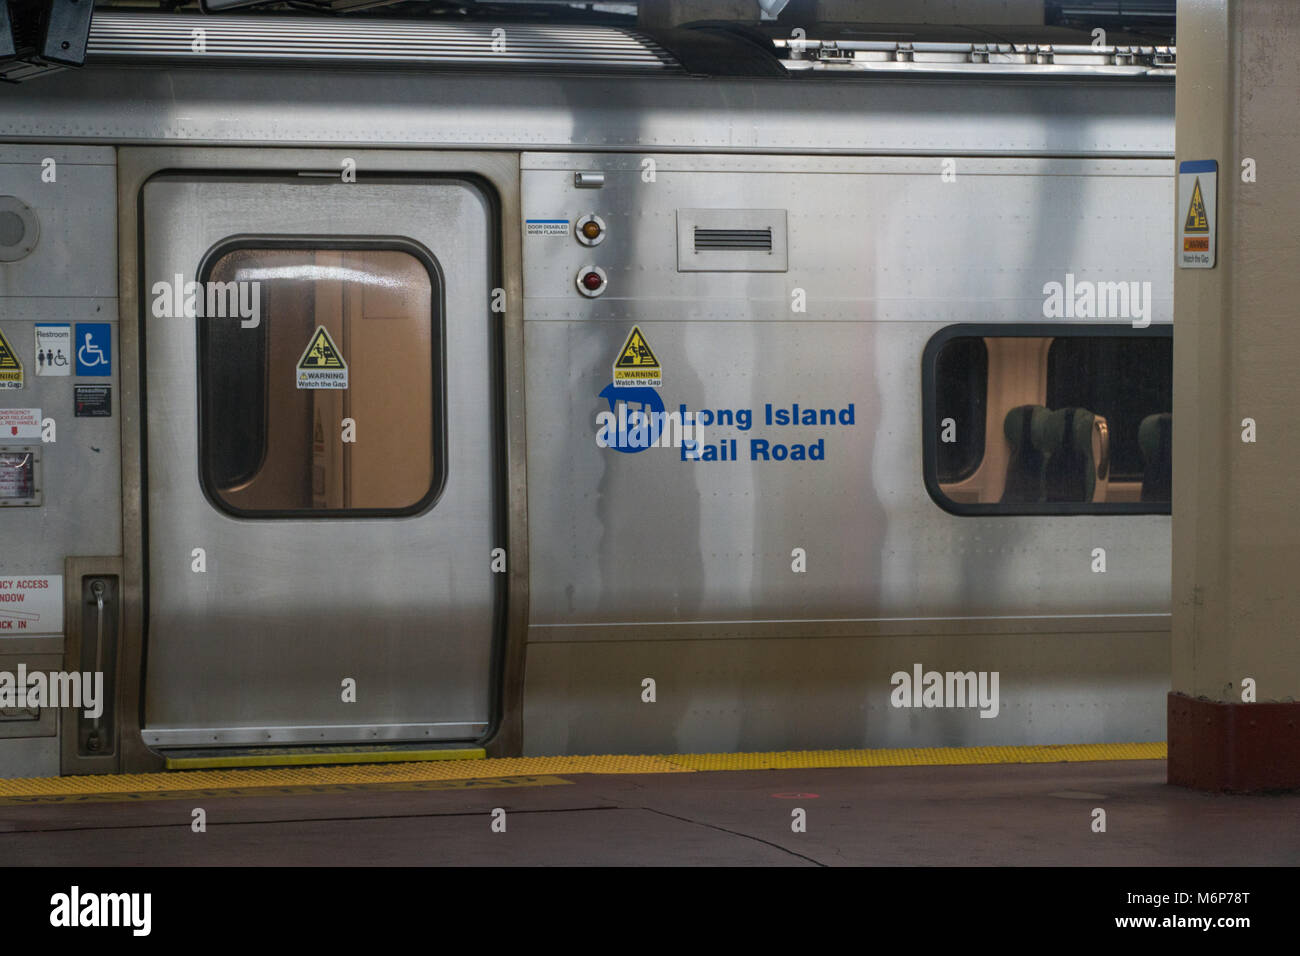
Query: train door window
{"x": 1049, "y": 419}
{"x": 360, "y": 434}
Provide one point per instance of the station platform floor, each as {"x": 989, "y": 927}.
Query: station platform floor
{"x": 982, "y": 807}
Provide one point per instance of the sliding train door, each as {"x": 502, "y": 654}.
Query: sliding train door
{"x": 320, "y": 469}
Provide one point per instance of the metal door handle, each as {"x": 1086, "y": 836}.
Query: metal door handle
{"x": 97, "y": 589}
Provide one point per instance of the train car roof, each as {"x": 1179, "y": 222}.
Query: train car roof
{"x": 311, "y": 80}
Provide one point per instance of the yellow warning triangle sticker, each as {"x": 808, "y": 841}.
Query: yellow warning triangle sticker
{"x": 1197, "y": 221}
{"x": 11, "y": 368}
{"x": 636, "y": 353}
{"x": 321, "y": 353}
{"x": 8, "y": 357}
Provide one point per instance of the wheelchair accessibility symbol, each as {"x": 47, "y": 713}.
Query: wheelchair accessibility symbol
{"x": 94, "y": 349}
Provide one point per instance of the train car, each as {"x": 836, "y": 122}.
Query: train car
{"x": 381, "y": 387}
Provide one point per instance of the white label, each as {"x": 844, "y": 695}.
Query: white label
{"x": 53, "y": 349}
{"x": 31, "y": 604}
{"x": 1198, "y": 197}
{"x": 546, "y": 227}
{"x": 20, "y": 424}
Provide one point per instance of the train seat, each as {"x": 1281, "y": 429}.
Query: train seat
{"x": 1076, "y": 443}
{"x": 1155, "y": 437}
{"x": 1023, "y": 427}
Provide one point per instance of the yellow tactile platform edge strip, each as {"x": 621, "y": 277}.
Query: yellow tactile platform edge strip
{"x": 919, "y": 757}
{"x": 611, "y": 764}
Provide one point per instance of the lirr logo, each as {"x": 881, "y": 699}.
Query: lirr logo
{"x": 634, "y": 420}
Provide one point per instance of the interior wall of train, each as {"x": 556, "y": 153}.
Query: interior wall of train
{"x": 615, "y": 408}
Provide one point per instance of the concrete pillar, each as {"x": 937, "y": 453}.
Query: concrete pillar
{"x": 1236, "y": 520}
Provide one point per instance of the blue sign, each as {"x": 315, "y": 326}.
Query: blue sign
{"x": 94, "y": 345}
{"x": 636, "y": 417}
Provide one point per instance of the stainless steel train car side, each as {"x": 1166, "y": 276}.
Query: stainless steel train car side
{"x": 539, "y": 578}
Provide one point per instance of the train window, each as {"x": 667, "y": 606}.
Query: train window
{"x": 1049, "y": 419}
{"x": 961, "y": 390}
{"x": 1124, "y": 380}
{"x": 323, "y": 399}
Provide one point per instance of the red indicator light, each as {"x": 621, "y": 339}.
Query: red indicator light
{"x": 591, "y": 281}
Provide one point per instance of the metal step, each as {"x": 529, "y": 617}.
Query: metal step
{"x": 324, "y": 755}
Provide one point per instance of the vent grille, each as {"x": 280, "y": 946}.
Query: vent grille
{"x": 132, "y": 38}
{"x": 733, "y": 240}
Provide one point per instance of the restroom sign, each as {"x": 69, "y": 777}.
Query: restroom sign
{"x": 1197, "y": 213}
{"x": 322, "y": 365}
{"x": 53, "y": 348}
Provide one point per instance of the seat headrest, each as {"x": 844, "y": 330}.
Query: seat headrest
{"x": 1068, "y": 429}
{"x": 1014, "y": 425}
{"x": 1155, "y": 432}
{"x": 1066, "y": 442}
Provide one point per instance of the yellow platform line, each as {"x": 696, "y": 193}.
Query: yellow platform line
{"x": 603, "y": 764}
{"x": 316, "y": 789}
{"x": 920, "y": 756}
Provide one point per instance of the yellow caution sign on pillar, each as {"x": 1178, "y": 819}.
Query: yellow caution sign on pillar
{"x": 1197, "y": 207}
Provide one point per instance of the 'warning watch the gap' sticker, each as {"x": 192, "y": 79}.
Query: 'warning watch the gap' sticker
{"x": 636, "y": 363}
{"x": 322, "y": 364}
{"x": 1197, "y": 207}
{"x": 11, "y": 367}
